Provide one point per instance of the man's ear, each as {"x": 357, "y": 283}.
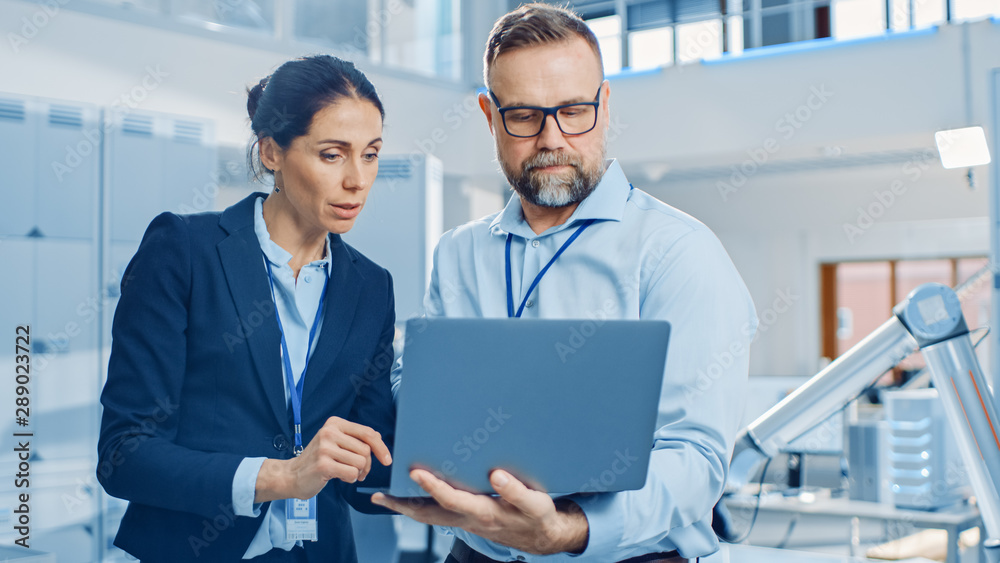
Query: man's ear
{"x": 270, "y": 154}
{"x": 486, "y": 105}
{"x": 606, "y": 101}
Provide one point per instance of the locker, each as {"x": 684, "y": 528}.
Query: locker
{"x": 16, "y": 285}
{"x": 135, "y": 174}
{"x": 158, "y": 163}
{"x": 68, "y": 159}
{"x": 18, "y": 290}
{"x": 65, "y": 384}
{"x": 191, "y": 187}
{"x": 18, "y": 139}
{"x": 65, "y": 283}
{"x": 405, "y": 199}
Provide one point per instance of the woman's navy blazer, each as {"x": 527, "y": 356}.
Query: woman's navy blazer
{"x": 195, "y": 385}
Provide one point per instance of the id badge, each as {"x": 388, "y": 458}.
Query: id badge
{"x": 300, "y": 519}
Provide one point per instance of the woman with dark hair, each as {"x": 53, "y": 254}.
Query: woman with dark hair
{"x": 243, "y": 373}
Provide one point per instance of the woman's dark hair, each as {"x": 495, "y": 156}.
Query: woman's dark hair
{"x": 282, "y": 106}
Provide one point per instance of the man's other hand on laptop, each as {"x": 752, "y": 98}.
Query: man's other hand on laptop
{"x": 513, "y": 519}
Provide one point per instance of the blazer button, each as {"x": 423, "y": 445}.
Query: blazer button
{"x": 280, "y": 443}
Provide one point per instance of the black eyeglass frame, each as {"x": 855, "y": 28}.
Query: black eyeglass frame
{"x": 546, "y": 112}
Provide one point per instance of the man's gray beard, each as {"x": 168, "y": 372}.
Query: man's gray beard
{"x": 552, "y": 190}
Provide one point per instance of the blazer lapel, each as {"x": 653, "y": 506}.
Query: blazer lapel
{"x": 341, "y": 305}
{"x": 242, "y": 262}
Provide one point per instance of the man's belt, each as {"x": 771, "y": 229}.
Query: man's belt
{"x": 462, "y": 553}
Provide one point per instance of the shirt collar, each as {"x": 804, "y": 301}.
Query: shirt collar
{"x": 607, "y": 202}
{"x": 274, "y": 253}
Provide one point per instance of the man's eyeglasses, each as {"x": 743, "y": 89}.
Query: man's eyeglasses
{"x": 528, "y": 121}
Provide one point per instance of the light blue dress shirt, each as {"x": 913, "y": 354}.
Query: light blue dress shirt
{"x": 296, "y": 304}
{"x": 641, "y": 259}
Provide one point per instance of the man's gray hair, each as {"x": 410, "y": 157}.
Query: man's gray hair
{"x": 535, "y": 24}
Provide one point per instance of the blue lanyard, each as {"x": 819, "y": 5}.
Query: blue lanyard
{"x": 538, "y": 278}
{"x": 295, "y": 390}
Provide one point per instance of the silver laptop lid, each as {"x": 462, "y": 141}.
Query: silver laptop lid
{"x": 564, "y": 405}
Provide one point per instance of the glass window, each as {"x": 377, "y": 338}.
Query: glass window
{"x": 422, "y": 36}
{"x": 146, "y": 6}
{"x": 974, "y": 9}
{"x": 776, "y": 28}
{"x": 699, "y": 40}
{"x": 976, "y": 298}
{"x": 899, "y": 17}
{"x": 928, "y": 12}
{"x": 858, "y": 18}
{"x": 651, "y": 48}
{"x": 250, "y": 14}
{"x": 343, "y": 27}
{"x": 608, "y": 31}
{"x": 925, "y": 12}
{"x": 909, "y": 275}
{"x": 864, "y": 298}
{"x": 863, "y": 290}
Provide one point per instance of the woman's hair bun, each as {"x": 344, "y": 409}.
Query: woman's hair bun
{"x": 253, "y": 96}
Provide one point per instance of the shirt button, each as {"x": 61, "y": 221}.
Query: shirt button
{"x": 535, "y": 243}
{"x": 308, "y": 279}
{"x": 280, "y": 443}
{"x": 521, "y": 557}
{"x": 529, "y": 304}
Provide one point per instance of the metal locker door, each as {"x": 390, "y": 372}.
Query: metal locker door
{"x": 18, "y": 140}
{"x": 189, "y": 171}
{"x": 18, "y": 308}
{"x": 135, "y": 174}
{"x": 68, "y": 161}
{"x": 66, "y": 381}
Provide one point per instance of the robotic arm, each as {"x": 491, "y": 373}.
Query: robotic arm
{"x": 930, "y": 320}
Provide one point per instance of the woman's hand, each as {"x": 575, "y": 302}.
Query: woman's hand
{"x": 340, "y": 450}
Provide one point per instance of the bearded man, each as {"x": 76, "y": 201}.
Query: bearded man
{"x": 577, "y": 241}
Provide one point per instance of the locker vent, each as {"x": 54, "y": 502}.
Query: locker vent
{"x": 395, "y": 168}
{"x": 436, "y": 173}
{"x": 11, "y": 109}
{"x": 138, "y": 125}
{"x": 67, "y": 116}
{"x": 187, "y": 131}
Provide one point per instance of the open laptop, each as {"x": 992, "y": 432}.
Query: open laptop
{"x": 566, "y": 406}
